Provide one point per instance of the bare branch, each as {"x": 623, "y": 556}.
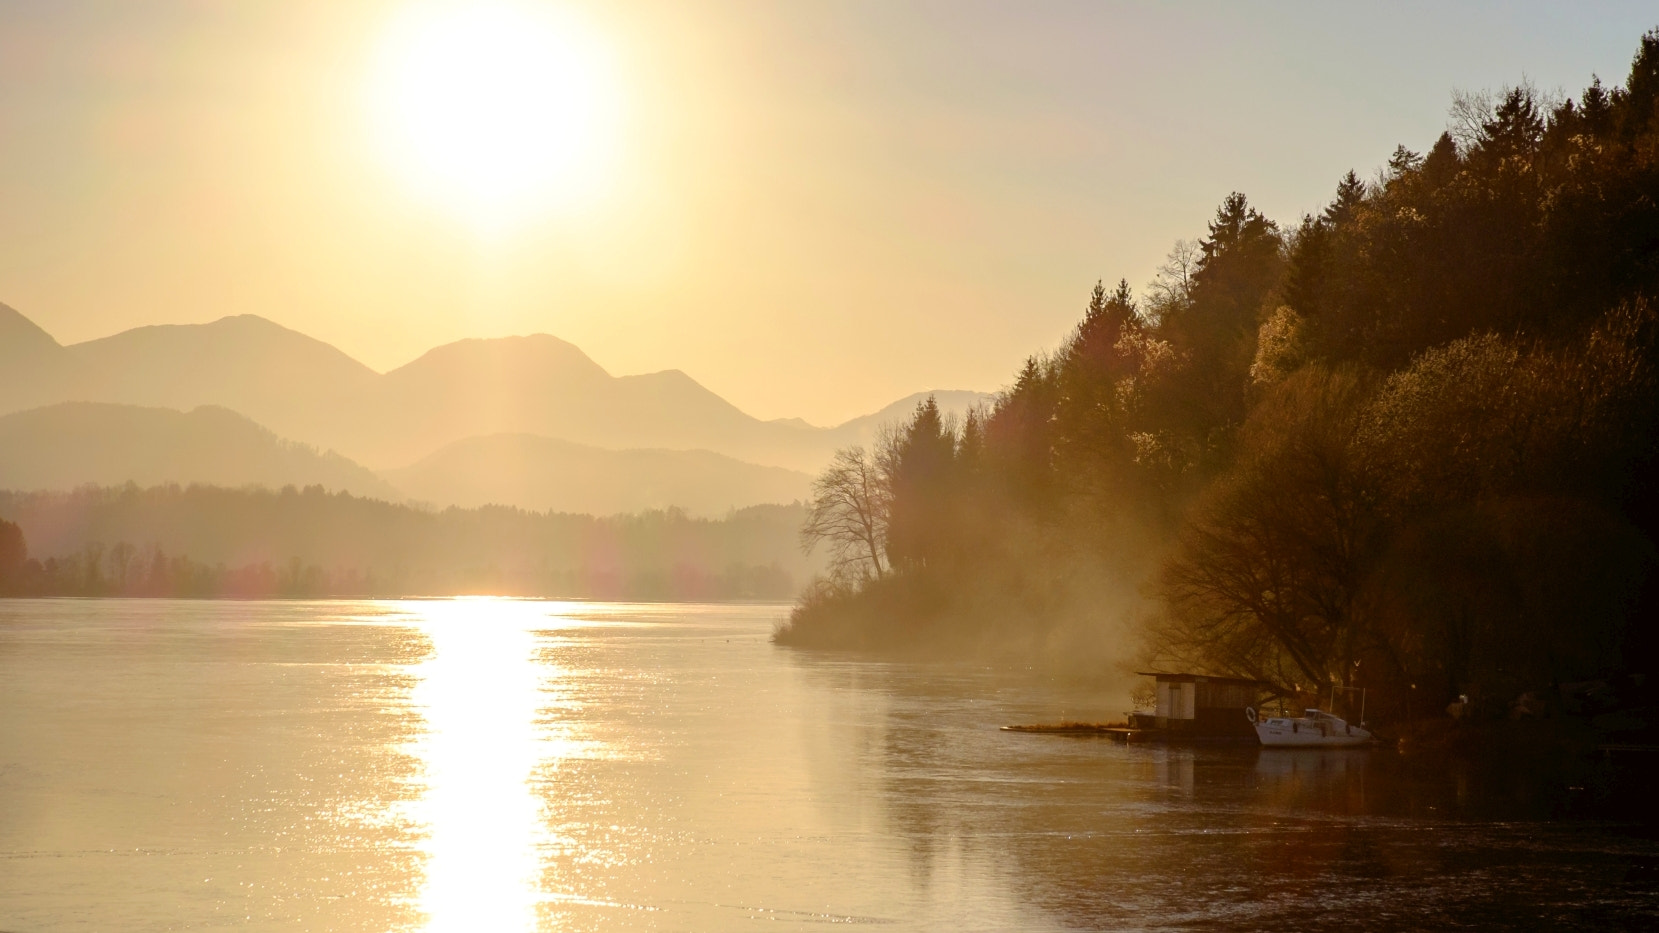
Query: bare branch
{"x": 849, "y": 511}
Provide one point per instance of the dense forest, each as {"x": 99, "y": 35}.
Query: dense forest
{"x": 1398, "y": 444}
{"x": 209, "y": 541}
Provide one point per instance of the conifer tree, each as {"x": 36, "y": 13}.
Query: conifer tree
{"x": 1441, "y": 164}
{"x": 1641, "y": 92}
{"x": 1350, "y": 194}
{"x": 919, "y": 466}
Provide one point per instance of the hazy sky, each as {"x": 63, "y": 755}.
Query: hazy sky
{"x": 812, "y": 208}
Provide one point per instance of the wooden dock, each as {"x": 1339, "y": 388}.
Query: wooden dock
{"x": 1117, "y": 732}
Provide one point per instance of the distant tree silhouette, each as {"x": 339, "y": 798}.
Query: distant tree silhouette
{"x": 1171, "y": 289}
{"x": 849, "y": 514}
{"x": 205, "y": 541}
{"x": 919, "y": 464}
{"x": 14, "y": 552}
{"x": 1350, "y": 194}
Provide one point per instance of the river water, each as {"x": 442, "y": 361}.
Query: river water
{"x": 490, "y": 765}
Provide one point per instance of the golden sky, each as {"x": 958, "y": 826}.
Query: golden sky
{"x": 812, "y": 208}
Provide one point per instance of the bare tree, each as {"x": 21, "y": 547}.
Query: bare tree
{"x": 850, "y": 506}
{"x": 1171, "y": 288}
{"x": 1470, "y": 118}
{"x": 1467, "y": 117}
{"x": 1269, "y": 564}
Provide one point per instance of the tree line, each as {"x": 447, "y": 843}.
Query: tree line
{"x": 1397, "y": 444}
{"x": 208, "y": 542}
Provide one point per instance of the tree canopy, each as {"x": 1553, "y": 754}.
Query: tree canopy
{"x": 1396, "y": 444}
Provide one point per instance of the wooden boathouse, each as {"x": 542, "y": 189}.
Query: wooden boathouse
{"x": 1197, "y": 706}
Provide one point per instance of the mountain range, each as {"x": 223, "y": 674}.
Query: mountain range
{"x": 77, "y": 443}
{"x": 529, "y": 421}
{"x": 546, "y": 474}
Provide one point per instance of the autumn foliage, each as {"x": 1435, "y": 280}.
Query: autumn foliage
{"x": 1398, "y": 444}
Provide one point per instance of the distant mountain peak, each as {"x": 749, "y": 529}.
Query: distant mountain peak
{"x": 302, "y": 388}
{"x": 952, "y": 402}
{"x": 250, "y": 323}
{"x": 534, "y": 350}
{"x": 231, "y": 322}
{"x": 19, "y": 335}
{"x": 667, "y": 377}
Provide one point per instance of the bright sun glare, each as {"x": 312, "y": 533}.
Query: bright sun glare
{"x": 497, "y": 111}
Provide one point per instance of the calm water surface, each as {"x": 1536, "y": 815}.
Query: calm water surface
{"x": 517, "y": 766}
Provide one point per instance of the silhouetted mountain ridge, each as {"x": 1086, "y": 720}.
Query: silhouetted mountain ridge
{"x": 308, "y": 390}
{"x": 72, "y": 444}
{"x": 33, "y": 367}
{"x": 953, "y": 403}
{"x": 545, "y": 474}
{"x": 20, "y": 336}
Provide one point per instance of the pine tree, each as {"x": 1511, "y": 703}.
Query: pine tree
{"x": 1595, "y": 109}
{"x": 1308, "y": 260}
{"x": 1442, "y": 163}
{"x": 1350, "y": 194}
{"x": 1403, "y": 162}
{"x": 1641, "y": 96}
{"x": 1515, "y": 129}
{"x": 920, "y": 465}
{"x": 1237, "y": 227}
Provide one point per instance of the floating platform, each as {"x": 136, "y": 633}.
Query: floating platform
{"x": 1117, "y": 732}
{"x": 1132, "y": 734}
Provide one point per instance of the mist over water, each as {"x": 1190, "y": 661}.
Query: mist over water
{"x": 515, "y": 765}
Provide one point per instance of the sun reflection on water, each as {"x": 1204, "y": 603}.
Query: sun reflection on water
{"x": 481, "y": 691}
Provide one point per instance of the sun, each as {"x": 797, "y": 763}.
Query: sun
{"x": 496, "y": 111}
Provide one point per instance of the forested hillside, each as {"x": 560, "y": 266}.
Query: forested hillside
{"x": 1398, "y": 444}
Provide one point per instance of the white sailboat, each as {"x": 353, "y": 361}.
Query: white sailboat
{"x": 1313, "y": 729}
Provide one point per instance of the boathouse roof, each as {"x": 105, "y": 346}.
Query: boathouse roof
{"x": 1166, "y": 677}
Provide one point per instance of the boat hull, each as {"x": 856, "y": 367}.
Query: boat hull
{"x": 1311, "y": 733}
